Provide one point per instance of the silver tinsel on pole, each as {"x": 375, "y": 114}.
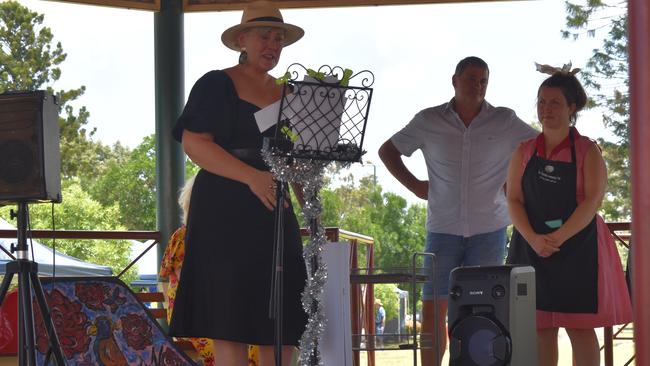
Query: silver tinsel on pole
{"x": 321, "y": 119}
{"x": 309, "y": 174}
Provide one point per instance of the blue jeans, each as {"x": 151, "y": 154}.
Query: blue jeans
{"x": 454, "y": 251}
{"x": 379, "y": 329}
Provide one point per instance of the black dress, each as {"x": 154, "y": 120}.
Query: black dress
{"x": 225, "y": 281}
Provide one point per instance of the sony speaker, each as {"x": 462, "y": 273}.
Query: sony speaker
{"x": 492, "y": 316}
{"x": 30, "y": 158}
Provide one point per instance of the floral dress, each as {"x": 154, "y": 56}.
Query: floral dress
{"x": 170, "y": 268}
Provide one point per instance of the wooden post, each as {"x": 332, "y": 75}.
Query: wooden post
{"x": 639, "y": 48}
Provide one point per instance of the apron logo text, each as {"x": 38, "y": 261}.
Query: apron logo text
{"x": 547, "y": 177}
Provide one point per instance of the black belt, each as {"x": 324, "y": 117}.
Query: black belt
{"x": 250, "y": 156}
{"x": 246, "y": 153}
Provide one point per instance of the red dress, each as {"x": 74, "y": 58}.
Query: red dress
{"x": 614, "y": 306}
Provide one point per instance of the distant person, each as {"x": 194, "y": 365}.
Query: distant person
{"x": 466, "y": 144}
{"x": 556, "y": 183}
{"x": 225, "y": 286}
{"x": 380, "y": 321}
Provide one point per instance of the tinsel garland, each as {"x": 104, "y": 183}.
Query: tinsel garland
{"x": 308, "y": 173}
{"x": 306, "y": 165}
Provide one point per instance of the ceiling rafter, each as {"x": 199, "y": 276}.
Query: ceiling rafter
{"x": 221, "y": 5}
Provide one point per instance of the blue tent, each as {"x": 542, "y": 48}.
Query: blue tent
{"x": 43, "y": 255}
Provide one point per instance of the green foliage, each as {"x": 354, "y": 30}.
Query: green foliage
{"x": 79, "y": 211}
{"x": 386, "y": 292}
{"x": 606, "y": 75}
{"x": 403, "y": 232}
{"x": 28, "y": 59}
{"x": 129, "y": 181}
{"x": 80, "y": 155}
{"x": 606, "y": 78}
{"x": 360, "y": 206}
{"x": 616, "y": 205}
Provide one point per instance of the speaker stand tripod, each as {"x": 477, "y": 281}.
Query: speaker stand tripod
{"x": 28, "y": 280}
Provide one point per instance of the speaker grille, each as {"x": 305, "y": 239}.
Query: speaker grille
{"x": 490, "y": 322}
{"x": 16, "y": 160}
{"x": 29, "y": 148}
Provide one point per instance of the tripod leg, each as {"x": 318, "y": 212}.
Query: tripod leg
{"x": 55, "y": 346}
{"x": 22, "y": 355}
{"x": 48, "y": 355}
{"x": 28, "y": 317}
{"x": 279, "y": 291}
{"x": 6, "y": 281}
{"x": 272, "y": 300}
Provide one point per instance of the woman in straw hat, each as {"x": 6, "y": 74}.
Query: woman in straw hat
{"x": 225, "y": 283}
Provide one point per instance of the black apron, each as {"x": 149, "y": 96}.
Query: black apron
{"x": 567, "y": 281}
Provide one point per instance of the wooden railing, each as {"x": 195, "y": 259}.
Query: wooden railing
{"x": 361, "y": 296}
{"x": 85, "y": 234}
{"x": 88, "y": 234}
{"x": 333, "y": 234}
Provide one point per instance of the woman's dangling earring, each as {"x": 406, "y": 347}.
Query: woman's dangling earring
{"x": 243, "y": 56}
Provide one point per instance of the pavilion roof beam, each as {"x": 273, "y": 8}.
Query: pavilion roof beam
{"x": 223, "y": 5}
{"x": 219, "y": 5}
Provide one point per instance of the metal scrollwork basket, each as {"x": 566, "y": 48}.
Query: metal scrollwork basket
{"x": 323, "y": 116}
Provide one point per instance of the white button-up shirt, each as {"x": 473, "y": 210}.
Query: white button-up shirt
{"x": 467, "y": 166}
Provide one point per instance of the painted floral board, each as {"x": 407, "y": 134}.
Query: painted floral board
{"x": 100, "y": 322}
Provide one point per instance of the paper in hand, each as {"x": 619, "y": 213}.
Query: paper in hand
{"x": 314, "y": 112}
{"x": 267, "y": 116}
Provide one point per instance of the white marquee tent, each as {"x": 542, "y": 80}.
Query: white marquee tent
{"x": 65, "y": 265}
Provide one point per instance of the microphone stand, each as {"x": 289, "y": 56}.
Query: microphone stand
{"x": 276, "y": 306}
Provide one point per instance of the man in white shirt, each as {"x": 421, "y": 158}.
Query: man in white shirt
{"x": 467, "y": 144}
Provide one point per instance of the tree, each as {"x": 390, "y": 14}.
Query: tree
{"x": 387, "y": 293}
{"x": 27, "y": 57}
{"x": 81, "y": 156}
{"x": 360, "y": 206}
{"x": 606, "y": 77}
{"x": 79, "y": 211}
{"x": 616, "y": 204}
{"x": 134, "y": 172}
{"x": 135, "y": 175}
{"x": 30, "y": 60}
{"x": 607, "y": 71}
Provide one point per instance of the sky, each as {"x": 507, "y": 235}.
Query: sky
{"x": 411, "y": 49}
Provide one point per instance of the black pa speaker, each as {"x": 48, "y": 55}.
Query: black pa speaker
{"x": 492, "y": 316}
{"x": 30, "y": 158}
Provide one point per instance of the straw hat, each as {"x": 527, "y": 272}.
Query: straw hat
{"x": 378, "y": 302}
{"x": 261, "y": 14}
